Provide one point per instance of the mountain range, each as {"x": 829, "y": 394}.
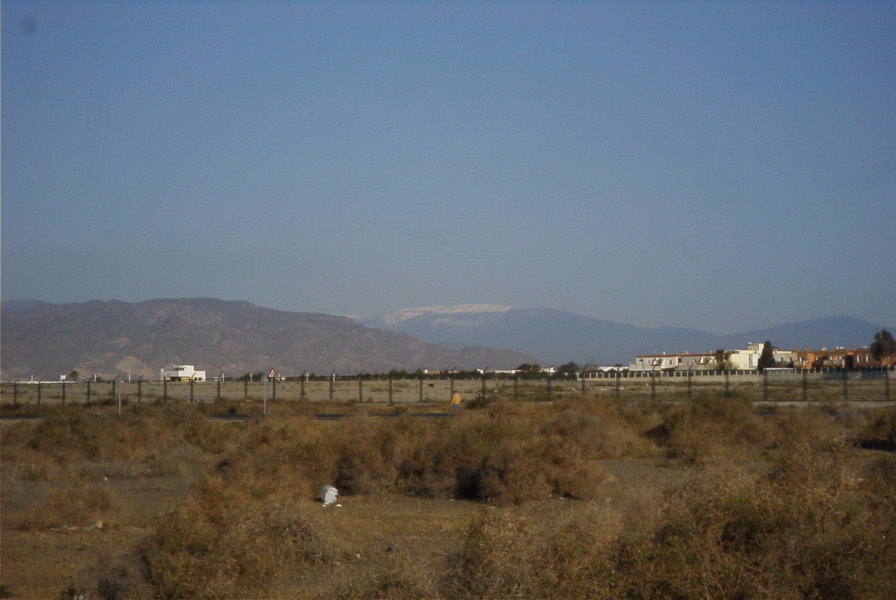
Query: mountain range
{"x": 556, "y": 336}
{"x": 112, "y": 338}
{"x": 234, "y": 337}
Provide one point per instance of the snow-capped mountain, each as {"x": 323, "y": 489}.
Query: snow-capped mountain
{"x": 460, "y": 314}
{"x": 556, "y": 336}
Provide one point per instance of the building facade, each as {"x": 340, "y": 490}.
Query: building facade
{"x": 181, "y": 373}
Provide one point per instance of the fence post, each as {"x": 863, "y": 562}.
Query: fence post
{"x": 652, "y": 386}
{"x": 390, "y": 389}
{"x": 332, "y": 383}
{"x": 886, "y": 384}
{"x": 164, "y": 389}
{"x": 548, "y": 379}
{"x": 516, "y": 386}
{"x": 88, "y": 391}
{"x": 191, "y": 389}
{"x": 617, "y": 384}
{"x": 727, "y": 388}
{"x": 218, "y": 392}
{"x": 140, "y": 389}
{"x": 38, "y": 393}
{"x": 845, "y": 385}
{"x": 483, "y": 386}
{"x": 15, "y": 394}
{"x": 805, "y": 385}
{"x": 764, "y": 385}
{"x": 274, "y": 389}
{"x": 360, "y": 388}
{"x": 63, "y": 393}
{"x": 690, "y": 383}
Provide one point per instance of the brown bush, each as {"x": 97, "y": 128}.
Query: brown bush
{"x": 77, "y": 506}
{"x": 506, "y": 457}
{"x": 73, "y": 444}
{"x": 725, "y": 532}
{"x": 777, "y": 503}
{"x": 710, "y": 427}
{"x": 228, "y": 542}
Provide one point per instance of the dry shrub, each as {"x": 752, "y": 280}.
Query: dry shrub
{"x": 807, "y": 527}
{"x": 499, "y": 460}
{"x": 497, "y": 559}
{"x": 597, "y": 427}
{"x": 118, "y": 583}
{"x": 507, "y": 457}
{"x": 546, "y": 552}
{"x": 794, "y": 533}
{"x": 359, "y": 455}
{"x": 711, "y": 427}
{"x": 212, "y": 438}
{"x": 881, "y": 477}
{"x": 370, "y": 453}
{"x": 880, "y": 428}
{"x": 76, "y": 506}
{"x": 819, "y": 428}
{"x": 70, "y": 435}
{"x": 72, "y": 443}
{"x": 227, "y": 542}
{"x": 399, "y": 575}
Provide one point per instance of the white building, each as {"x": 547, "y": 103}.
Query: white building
{"x": 182, "y": 373}
{"x": 749, "y": 358}
{"x": 655, "y": 362}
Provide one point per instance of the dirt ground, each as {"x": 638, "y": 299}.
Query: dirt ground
{"x": 371, "y": 537}
{"x": 370, "y": 531}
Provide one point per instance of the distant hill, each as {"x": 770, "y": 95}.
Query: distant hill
{"x": 17, "y": 306}
{"x": 112, "y": 337}
{"x": 829, "y": 332}
{"x": 557, "y": 336}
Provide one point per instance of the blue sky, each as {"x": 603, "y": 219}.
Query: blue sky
{"x": 718, "y": 165}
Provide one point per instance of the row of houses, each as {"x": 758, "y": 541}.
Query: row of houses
{"x": 748, "y": 358}
{"x": 741, "y": 359}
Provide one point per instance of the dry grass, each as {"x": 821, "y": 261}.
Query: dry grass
{"x": 579, "y": 498}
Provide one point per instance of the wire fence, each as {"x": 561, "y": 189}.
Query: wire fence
{"x": 773, "y": 385}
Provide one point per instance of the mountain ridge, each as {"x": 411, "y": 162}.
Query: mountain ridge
{"x": 111, "y": 337}
{"x": 558, "y": 336}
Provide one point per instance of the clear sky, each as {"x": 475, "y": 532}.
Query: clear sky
{"x": 718, "y": 165}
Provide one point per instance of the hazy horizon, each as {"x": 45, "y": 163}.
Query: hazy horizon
{"x": 468, "y": 308}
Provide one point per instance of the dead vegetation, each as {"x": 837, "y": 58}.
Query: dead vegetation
{"x": 578, "y": 498}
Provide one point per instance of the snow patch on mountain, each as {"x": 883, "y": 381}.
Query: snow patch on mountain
{"x": 404, "y": 314}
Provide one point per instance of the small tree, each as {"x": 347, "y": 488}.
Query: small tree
{"x": 568, "y": 369}
{"x": 722, "y": 359}
{"x": 766, "y": 357}
{"x": 883, "y": 348}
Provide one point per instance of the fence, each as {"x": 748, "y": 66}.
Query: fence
{"x": 772, "y": 385}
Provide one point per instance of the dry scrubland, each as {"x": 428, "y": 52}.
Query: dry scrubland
{"x": 583, "y": 497}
